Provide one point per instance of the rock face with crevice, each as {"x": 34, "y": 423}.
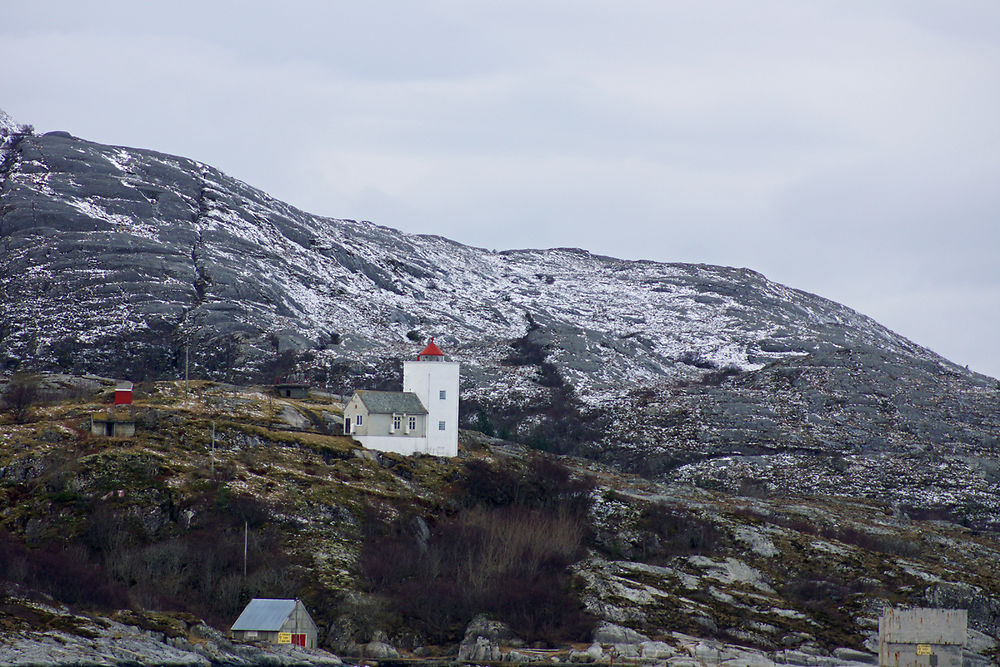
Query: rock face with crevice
{"x": 119, "y": 261}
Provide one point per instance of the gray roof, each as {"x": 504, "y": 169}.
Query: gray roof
{"x": 391, "y": 402}
{"x": 264, "y": 614}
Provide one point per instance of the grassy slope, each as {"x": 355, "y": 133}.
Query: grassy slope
{"x": 152, "y": 522}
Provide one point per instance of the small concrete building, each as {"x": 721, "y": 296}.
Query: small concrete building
{"x": 112, "y": 425}
{"x": 921, "y": 637}
{"x": 277, "y": 622}
{"x": 292, "y": 390}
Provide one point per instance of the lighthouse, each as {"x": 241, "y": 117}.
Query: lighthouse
{"x": 434, "y": 380}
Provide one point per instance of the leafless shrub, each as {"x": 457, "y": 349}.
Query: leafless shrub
{"x": 60, "y": 571}
{"x": 672, "y": 532}
{"x": 507, "y": 561}
{"x": 21, "y": 394}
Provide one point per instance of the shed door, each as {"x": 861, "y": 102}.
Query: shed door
{"x": 299, "y": 640}
{"x": 347, "y": 425}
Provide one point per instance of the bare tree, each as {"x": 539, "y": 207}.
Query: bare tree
{"x": 20, "y": 395}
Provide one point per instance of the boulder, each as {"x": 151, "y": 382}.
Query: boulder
{"x": 595, "y": 651}
{"x": 478, "y": 649}
{"x": 379, "y": 651}
{"x": 484, "y": 637}
{"x": 517, "y": 656}
{"x": 609, "y": 633}
{"x": 630, "y": 651}
{"x": 483, "y": 626}
{"x": 656, "y": 650}
{"x": 980, "y": 642}
{"x": 853, "y": 655}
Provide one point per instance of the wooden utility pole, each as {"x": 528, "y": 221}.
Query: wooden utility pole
{"x": 213, "y": 450}
{"x": 246, "y": 542}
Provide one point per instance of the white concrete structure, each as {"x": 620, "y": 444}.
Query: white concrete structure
{"x": 435, "y": 381}
{"x": 422, "y": 419}
{"x": 922, "y": 637}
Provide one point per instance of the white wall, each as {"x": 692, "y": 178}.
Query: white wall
{"x": 351, "y": 411}
{"x": 400, "y": 444}
{"x": 427, "y": 379}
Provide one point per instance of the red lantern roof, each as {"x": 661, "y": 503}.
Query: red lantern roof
{"x": 431, "y": 350}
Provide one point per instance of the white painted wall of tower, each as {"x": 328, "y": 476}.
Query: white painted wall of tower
{"x": 427, "y": 379}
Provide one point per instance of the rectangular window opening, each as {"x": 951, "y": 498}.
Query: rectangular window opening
{"x": 443, "y": 394}
{"x": 440, "y": 426}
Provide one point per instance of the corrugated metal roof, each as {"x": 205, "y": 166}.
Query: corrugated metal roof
{"x": 264, "y": 614}
{"x": 392, "y": 402}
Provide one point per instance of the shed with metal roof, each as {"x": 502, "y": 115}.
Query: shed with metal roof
{"x": 276, "y": 621}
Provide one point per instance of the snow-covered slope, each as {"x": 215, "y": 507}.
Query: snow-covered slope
{"x": 114, "y": 259}
{"x": 7, "y": 124}
{"x": 104, "y": 242}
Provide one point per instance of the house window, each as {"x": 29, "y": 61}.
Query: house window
{"x": 440, "y": 426}
{"x": 413, "y": 423}
{"x": 443, "y": 394}
{"x": 397, "y": 422}
{"x": 357, "y": 420}
{"x": 251, "y": 634}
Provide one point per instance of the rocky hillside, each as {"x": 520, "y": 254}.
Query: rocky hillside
{"x": 400, "y": 556}
{"x": 117, "y": 260}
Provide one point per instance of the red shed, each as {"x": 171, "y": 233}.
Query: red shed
{"x": 123, "y": 393}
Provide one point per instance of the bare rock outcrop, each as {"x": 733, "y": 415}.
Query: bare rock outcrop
{"x": 109, "y": 643}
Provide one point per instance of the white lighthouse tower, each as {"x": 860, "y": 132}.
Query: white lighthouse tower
{"x": 435, "y": 381}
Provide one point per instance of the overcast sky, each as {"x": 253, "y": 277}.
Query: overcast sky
{"x": 848, "y": 148}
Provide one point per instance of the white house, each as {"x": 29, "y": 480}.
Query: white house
{"x": 421, "y": 419}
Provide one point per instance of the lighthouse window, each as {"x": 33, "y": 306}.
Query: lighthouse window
{"x": 440, "y": 426}
{"x": 442, "y": 394}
